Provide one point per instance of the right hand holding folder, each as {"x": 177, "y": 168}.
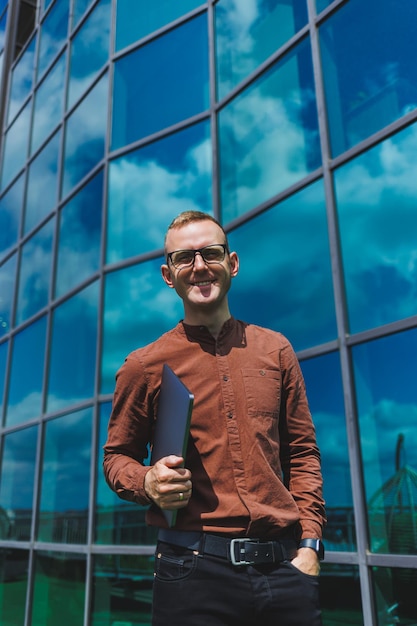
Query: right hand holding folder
{"x": 168, "y": 483}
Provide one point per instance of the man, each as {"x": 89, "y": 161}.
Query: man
{"x": 245, "y": 548}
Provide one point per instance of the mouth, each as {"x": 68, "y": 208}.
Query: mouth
{"x": 202, "y": 283}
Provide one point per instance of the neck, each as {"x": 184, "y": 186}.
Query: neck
{"x": 212, "y": 321}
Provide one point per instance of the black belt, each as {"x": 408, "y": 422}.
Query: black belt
{"x": 239, "y": 551}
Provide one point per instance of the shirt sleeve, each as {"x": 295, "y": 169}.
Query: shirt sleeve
{"x": 129, "y": 432}
{"x": 300, "y": 456}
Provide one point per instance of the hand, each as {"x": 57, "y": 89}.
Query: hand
{"x": 168, "y": 484}
{"x": 307, "y": 561}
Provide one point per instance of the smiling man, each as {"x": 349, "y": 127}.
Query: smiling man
{"x": 247, "y": 541}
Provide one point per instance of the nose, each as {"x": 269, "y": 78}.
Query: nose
{"x": 199, "y": 262}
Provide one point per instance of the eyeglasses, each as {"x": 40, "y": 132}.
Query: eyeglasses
{"x": 186, "y": 258}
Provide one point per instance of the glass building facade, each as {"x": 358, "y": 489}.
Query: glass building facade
{"x": 295, "y": 123}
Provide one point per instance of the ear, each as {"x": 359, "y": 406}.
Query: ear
{"x": 234, "y": 264}
{"x": 167, "y": 275}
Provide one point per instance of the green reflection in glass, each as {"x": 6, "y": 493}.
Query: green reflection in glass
{"x": 73, "y": 353}
{"x": 150, "y": 186}
{"x": 89, "y": 50}
{"x": 14, "y": 565}
{"x": 122, "y": 590}
{"x": 140, "y": 105}
{"x": 49, "y": 104}
{"x": 42, "y": 186}
{"x": 35, "y": 273}
{"x": 7, "y": 286}
{"x": 16, "y": 484}
{"x": 117, "y": 521}
{"x": 59, "y": 589}
{"x": 276, "y": 248}
{"x": 327, "y": 407}
{"x": 15, "y": 146}
{"x": 368, "y": 67}
{"x": 21, "y": 80}
{"x": 136, "y": 20}
{"x": 10, "y": 215}
{"x": 395, "y": 595}
{"x": 63, "y": 511}
{"x": 80, "y": 236}
{"x": 85, "y": 136}
{"x": 24, "y": 400}
{"x": 256, "y": 33}
{"x": 53, "y": 34}
{"x": 138, "y": 307}
{"x": 378, "y": 224}
{"x": 3, "y": 360}
{"x": 269, "y": 134}
{"x": 387, "y": 407}
{"x": 340, "y": 609}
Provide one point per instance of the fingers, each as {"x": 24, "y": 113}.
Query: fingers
{"x": 168, "y": 484}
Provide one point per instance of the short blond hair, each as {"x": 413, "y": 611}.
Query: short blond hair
{"x": 187, "y": 217}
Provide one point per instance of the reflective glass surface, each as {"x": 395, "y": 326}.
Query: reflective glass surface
{"x": 16, "y": 484}
{"x": 63, "y": 509}
{"x": 7, "y": 285}
{"x": 136, "y": 20}
{"x": 395, "y": 595}
{"x": 376, "y": 201}
{"x": 59, "y": 589}
{"x": 3, "y": 360}
{"x": 73, "y": 352}
{"x": 53, "y": 34}
{"x": 79, "y": 243}
{"x": 122, "y": 590}
{"x": 340, "y": 595}
{"x": 385, "y": 372}
{"x": 42, "y": 186}
{"x": 10, "y": 215}
{"x": 369, "y": 72}
{"x": 21, "y": 80}
{"x": 24, "y": 400}
{"x": 257, "y": 31}
{"x": 152, "y": 185}
{"x": 269, "y": 135}
{"x": 85, "y": 136}
{"x": 286, "y": 271}
{"x": 149, "y": 308}
{"x": 78, "y": 9}
{"x": 117, "y": 522}
{"x": 325, "y": 395}
{"x": 14, "y": 565}
{"x": 35, "y": 273}
{"x": 322, "y": 4}
{"x": 15, "y": 146}
{"x": 140, "y": 105}
{"x": 49, "y": 104}
{"x": 89, "y": 50}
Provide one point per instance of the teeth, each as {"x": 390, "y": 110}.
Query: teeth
{"x": 202, "y": 284}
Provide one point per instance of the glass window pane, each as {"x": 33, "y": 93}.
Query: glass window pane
{"x": 256, "y": 33}
{"x": 140, "y": 105}
{"x": 35, "y": 273}
{"x": 7, "y": 285}
{"x": 53, "y": 35}
{"x": 3, "y": 361}
{"x": 85, "y": 136}
{"x": 21, "y": 80}
{"x": 279, "y": 243}
{"x": 80, "y": 236}
{"x": 376, "y": 199}
{"x": 73, "y": 352}
{"x": 63, "y": 510}
{"x": 78, "y": 10}
{"x": 89, "y": 50}
{"x": 322, "y": 4}
{"x": 136, "y": 20}
{"x": 25, "y": 391}
{"x": 117, "y": 521}
{"x": 49, "y": 104}
{"x": 370, "y": 76}
{"x": 387, "y": 406}
{"x": 269, "y": 134}
{"x": 14, "y": 565}
{"x": 340, "y": 608}
{"x": 15, "y": 146}
{"x": 16, "y": 484}
{"x": 152, "y": 185}
{"x": 42, "y": 186}
{"x": 10, "y": 216}
{"x": 395, "y": 595}
{"x": 327, "y": 408}
{"x": 122, "y": 590}
{"x": 149, "y": 309}
{"x": 59, "y": 589}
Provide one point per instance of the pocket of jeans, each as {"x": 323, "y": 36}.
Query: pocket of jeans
{"x": 170, "y": 568}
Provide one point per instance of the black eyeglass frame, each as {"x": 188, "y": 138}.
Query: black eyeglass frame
{"x": 199, "y": 251}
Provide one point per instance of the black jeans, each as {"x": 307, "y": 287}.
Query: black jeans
{"x": 199, "y": 590}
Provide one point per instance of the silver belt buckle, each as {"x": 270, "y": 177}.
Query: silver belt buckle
{"x": 240, "y": 540}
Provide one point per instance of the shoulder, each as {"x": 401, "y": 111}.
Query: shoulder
{"x": 260, "y": 333}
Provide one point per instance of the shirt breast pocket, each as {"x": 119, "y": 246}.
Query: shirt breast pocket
{"x": 263, "y": 391}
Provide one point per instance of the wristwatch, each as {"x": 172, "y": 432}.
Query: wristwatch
{"x": 314, "y": 544}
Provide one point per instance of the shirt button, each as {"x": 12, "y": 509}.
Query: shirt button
{"x": 225, "y": 378}
{"x": 230, "y": 415}
{"x": 262, "y": 372}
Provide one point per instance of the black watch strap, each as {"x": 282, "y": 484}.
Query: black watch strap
{"x": 314, "y": 544}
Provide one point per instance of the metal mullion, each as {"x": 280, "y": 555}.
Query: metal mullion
{"x": 215, "y": 164}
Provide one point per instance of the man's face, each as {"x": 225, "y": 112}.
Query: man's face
{"x": 201, "y": 285}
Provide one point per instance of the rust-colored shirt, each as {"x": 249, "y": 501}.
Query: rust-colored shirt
{"x": 252, "y": 451}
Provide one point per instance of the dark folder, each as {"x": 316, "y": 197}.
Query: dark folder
{"x": 172, "y": 426}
